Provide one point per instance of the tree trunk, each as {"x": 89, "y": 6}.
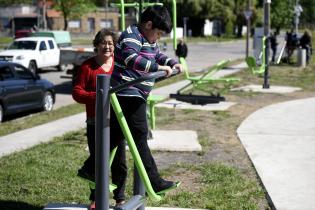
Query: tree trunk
{"x": 65, "y": 22}
{"x": 239, "y": 30}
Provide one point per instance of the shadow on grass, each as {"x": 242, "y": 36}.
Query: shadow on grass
{"x": 17, "y": 205}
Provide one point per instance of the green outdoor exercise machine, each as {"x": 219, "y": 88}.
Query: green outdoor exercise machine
{"x": 142, "y": 184}
{"x": 252, "y": 63}
{"x": 198, "y": 82}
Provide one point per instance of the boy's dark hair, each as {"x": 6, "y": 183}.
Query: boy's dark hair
{"x": 100, "y": 37}
{"x": 159, "y": 16}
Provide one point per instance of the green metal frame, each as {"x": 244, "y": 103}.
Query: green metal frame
{"x": 122, "y": 5}
{"x": 111, "y": 186}
{"x": 251, "y": 61}
{"x": 133, "y": 149}
{"x": 207, "y": 77}
{"x": 152, "y": 101}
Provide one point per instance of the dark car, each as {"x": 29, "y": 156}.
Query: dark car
{"x": 21, "y": 90}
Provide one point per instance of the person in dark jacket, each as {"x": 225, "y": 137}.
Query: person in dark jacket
{"x": 306, "y": 43}
{"x": 273, "y": 45}
{"x": 181, "y": 49}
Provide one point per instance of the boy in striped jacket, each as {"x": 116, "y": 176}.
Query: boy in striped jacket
{"x": 136, "y": 54}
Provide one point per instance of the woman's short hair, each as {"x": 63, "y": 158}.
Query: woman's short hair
{"x": 100, "y": 37}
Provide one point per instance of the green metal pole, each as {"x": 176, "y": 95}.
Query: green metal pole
{"x": 174, "y": 25}
{"x": 122, "y": 10}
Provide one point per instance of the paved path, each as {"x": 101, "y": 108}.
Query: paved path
{"x": 280, "y": 141}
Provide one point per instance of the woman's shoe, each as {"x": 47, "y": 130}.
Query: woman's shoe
{"x": 83, "y": 173}
{"x": 92, "y": 206}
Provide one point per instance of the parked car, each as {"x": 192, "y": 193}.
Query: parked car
{"x": 46, "y": 49}
{"x": 33, "y": 52}
{"x": 21, "y": 90}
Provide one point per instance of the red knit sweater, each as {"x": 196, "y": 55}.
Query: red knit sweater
{"x": 84, "y": 90}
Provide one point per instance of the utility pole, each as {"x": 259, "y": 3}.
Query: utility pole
{"x": 248, "y": 14}
{"x": 185, "y": 26}
{"x": 266, "y": 34}
{"x": 297, "y": 13}
{"x": 44, "y": 15}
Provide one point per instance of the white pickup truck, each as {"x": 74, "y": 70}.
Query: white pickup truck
{"x": 39, "y": 52}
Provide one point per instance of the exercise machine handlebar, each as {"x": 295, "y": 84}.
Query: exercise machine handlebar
{"x": 159, "y": 75}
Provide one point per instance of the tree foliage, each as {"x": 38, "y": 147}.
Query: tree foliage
{"x": 229, "y": 12}
{"x": 72, "y": 9}
{"x": 281, "y": 14}
{"x": 5, "y": 3}
{"x": 308, "y": 14}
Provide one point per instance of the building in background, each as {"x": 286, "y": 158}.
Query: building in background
{"x": 30, "y": 17}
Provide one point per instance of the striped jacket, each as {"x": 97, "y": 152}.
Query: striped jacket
{"x": 134, "y": 57}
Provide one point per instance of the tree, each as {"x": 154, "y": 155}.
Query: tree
{"x": 281, "y": 14}
{"x": 308, "y": 14}
{"x": 73, "y": 9}
{"x": 4, "y": 3}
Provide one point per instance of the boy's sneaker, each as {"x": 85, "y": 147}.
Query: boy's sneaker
{"x": 163, "y": 185}
{"x": 83, "y": 173}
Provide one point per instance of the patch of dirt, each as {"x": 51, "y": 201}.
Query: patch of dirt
{"x": 217, "y": 134}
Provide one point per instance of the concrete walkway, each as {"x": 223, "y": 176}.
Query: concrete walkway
{"x": 183, "y": 140}
{"x": 280, "y": 141}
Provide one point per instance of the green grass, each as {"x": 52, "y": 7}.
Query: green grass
{"x": 39, "y": 118}
{"x": 4, "y": 41}
{"x": 44, "y": 174}
{"x": 220, "y": 187}
{"x": 47, "y": 173}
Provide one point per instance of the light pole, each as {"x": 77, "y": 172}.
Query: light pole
{"x": 44, "y": 15}
{"x": 266, "y": 34}
{"x": 297, "y": 11}
{"x": 247, "y": 14}
{"x": 185, "y": 26}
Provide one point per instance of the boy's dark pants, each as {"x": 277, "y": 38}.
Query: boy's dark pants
{"x": 134, "y": 110}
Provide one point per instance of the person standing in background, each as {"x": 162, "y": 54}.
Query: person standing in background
{"x": 273, "y": 45}
{"x": 181, "y": 49}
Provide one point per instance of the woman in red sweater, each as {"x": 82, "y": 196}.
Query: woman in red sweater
{"x": 84, "y": 91}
